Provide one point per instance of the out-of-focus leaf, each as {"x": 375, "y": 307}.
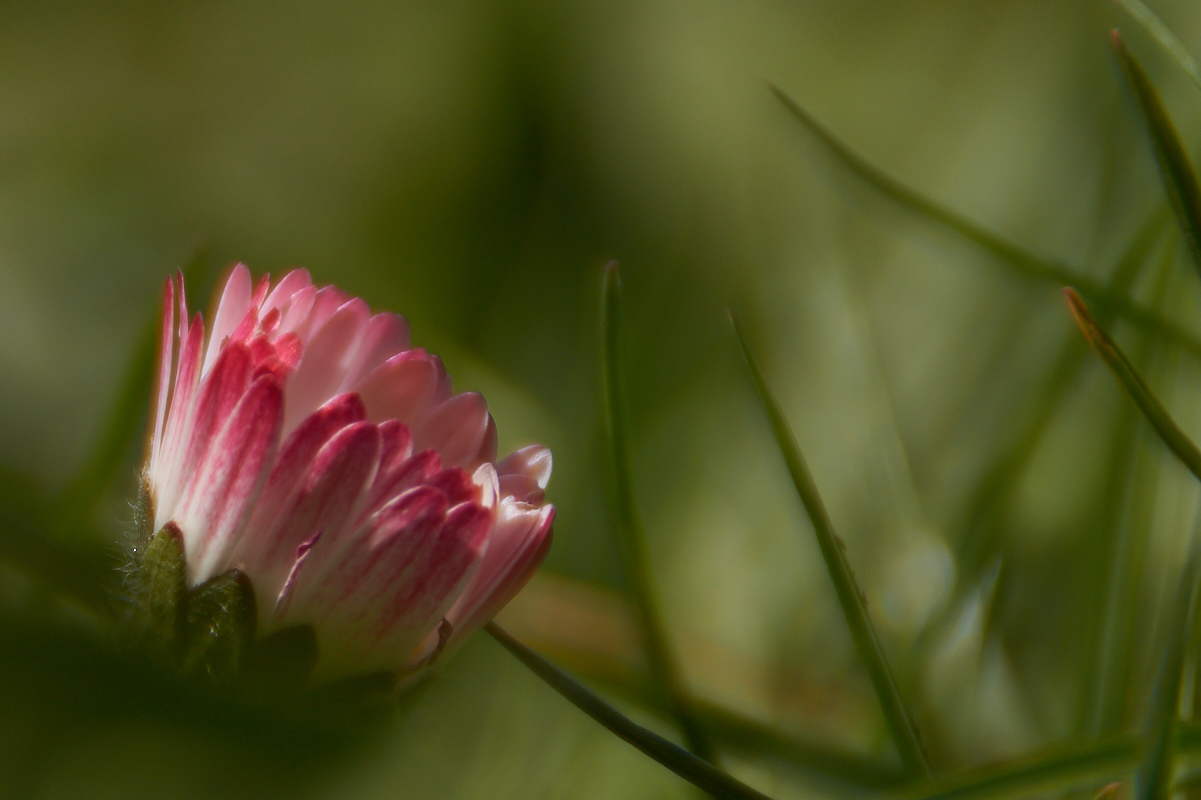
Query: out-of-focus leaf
{"x": 1163, "y": 34}
{"x": 634, "y": 548}
{"x": 81, "y": 570}
{"x": 220, "y": 626}
{"x": 1024, "y": 263}
{"x": 123, "y": 425}
{"x": 281, "y": 663}
{"x": 695, "y": 770}
{"x": 1152, "y": 409}
{"x": 1180, "y": 180}
{"x": 850, "y": 596}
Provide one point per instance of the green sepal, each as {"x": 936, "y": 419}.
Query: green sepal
{"x": 159, "y": 587}
{"x": 280, "y": 664}
{"x": 219, "y": 626}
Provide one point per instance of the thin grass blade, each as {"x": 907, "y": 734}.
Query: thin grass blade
{"x": 850, "y": 596}
{"x": 1122, "y": 522}
{"x": 1153, "y": 780}
{"x": 1176, "y": 440}
{"x": 1020, "y": 260}
{"x": 1179, "y": 177}
{"x": 696, "y": 771}
{"x": 1163, "y": 34}
{"x": 634, "y": 548}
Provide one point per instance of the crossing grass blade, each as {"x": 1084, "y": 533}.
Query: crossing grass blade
{"x": 1019, "y": 259}
{"x": 634, "y": 547}
{"x": 850, "y": 596}
{"x": 1163, "y": 34}
{"x": 1179, "y": 177}
{"x": 695, "y": 770}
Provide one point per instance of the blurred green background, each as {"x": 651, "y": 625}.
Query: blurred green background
{"x": 473, "y": 165}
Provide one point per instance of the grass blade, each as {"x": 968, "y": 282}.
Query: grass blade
{"x": 1126, "y": 544}
{"x": 1153, "y": 779}
{"x": 850, "y": 596}
{"x": 1155, "y": 26}
{"x": 1020, "y": 260}
{"x": 634, "y": 548}
{"x": 1179, "y": 178}
{"x": 695, "y": 770}
{"x": 1152, "y": 409}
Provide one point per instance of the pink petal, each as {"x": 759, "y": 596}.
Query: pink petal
{"x": 226, "y": 484}
{"x": 535, "y": 461}
{"x": 260, "y": 292}
{"x": 325, "y": 303}
{"x": 296, "y": 313}
{"x": 419, "y": 603}
{"x": 525, "y": 473}
{"x": 404, "y": 387}
{"x": 487, "y": 453}
{"x": 288, "y": 591}
{"x": 384, "y": 336}
{"x": 457, "y": 485}
{"x": 413, "y": 471}
{"x": 168, "y": 477}
{"x": 296, "y": 458}
{"x": 325, "y": 361}
{"x": 219, "y": 393}
{"x": 183, "y": 305}
{"x": 327, "y": 502}
{"x": 337, "y": 585}
{"x": 456, "y": 429}
{"x": 163, "y": 379}
{"x": 518, "y": 544}
{"x": 396, "y": 446}
{"x": 289, "y": 285}
{"x": 235, "y": 302}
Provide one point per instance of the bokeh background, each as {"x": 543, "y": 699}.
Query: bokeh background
{"x": 473, "y": 165}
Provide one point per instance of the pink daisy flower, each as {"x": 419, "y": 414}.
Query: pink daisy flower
{"x": 305, "y": 443}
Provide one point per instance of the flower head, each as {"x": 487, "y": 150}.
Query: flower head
{"x": 306, "y": 444}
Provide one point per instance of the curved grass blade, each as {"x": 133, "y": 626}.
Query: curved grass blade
{"x": 695, "y": 770}
{"x": 1153, "y": 780}
{"x": 1180, "y": 180}
{"x": 1020, "y": 260}
{"x": 1156, "y": 414}
{"x": 850, "y": 596}
{"x": 634, "y": 549}
{"x": 1156, "y": 27}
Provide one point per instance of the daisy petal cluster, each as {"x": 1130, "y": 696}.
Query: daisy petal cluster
{"x": 305, "y": 443}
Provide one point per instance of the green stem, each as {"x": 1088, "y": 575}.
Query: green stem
{"x": 695, "y": 770}
{"x": 850, "y": 596}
